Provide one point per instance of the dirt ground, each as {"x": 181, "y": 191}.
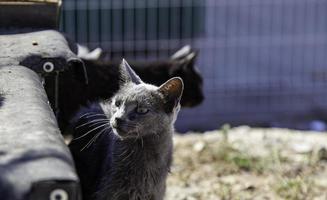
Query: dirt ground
{"x": 246, "y": 163}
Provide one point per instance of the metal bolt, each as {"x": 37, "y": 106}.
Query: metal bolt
{"x": 58, "y": 194}
{"x": 48, "y": 67}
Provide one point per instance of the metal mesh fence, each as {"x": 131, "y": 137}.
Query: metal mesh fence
{"x": 263, "y": 61}
{"x": 141, "y": 29}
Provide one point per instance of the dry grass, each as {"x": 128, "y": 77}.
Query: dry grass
{"x": 245, "y": 163}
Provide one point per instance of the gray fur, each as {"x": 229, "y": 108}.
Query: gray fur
{"x": 129, "y": 73}
{"x": 142, "y": 152}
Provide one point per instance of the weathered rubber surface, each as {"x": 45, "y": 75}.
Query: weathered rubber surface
{"x": 32, "y": 149}
{"x": 34, "y": 49}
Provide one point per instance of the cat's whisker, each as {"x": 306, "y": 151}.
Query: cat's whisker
{"x": 97, "y": 123}
{"x": 88, "y": 116}
{"x": 122, "y": 154}
{"x": 90, "y": 122}
{"x": 128, "y": 155}
{"x": 142, "y": 142}
{"x": 88, "y": 113}
{"x": 108, "y": 128}
{"x": 93, "y": 139}
{"x": 90, "y": 131}
{"x": 132, "y": 125}
{"x": 91, "y": 114}
{"x": 137, "y": 137}
{"x": 93, "y": 121}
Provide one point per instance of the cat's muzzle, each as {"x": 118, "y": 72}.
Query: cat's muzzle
{"x": 119, "y": 127}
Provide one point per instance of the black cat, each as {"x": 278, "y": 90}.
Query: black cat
{"x": 157, "y": 72}
{"x": 181, "y": 64}
{"x": 104, "y": 82}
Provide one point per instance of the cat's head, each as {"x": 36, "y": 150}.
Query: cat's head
{"x": 184, "y": 66}
{"x": 139, "y": 109}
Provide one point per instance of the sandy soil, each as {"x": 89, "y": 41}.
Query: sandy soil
{"x": 247, "y": 163}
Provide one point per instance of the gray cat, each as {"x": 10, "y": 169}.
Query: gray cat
{"x": 131, "y": 156}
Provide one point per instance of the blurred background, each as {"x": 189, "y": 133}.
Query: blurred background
{"x": 263, "y": 61}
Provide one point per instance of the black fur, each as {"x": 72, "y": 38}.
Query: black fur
{"x": 104, "y": 82}
{"x": 182, "y": 64}
{"x": 73, "y": 93}
{"x": 88, "y": 166}
{"x": 157, "y": 73}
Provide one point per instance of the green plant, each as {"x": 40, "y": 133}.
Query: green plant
{"x": 225, "y": 130}
{"x": 294, "y": 188}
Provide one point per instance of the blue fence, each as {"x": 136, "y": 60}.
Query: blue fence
{"x": 264, "y": 61}
{"x": 141, "y": 29}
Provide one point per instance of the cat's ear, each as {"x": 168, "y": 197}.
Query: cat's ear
{"x": 184, "y": 51}
{"x": 128, "y": 74}
{"x": 190, "y": 59}
{"x": 172, "y": 91}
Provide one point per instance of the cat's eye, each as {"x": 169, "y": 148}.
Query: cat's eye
{"x": 142, "y": 111}
{"x": 117, "y": 103}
